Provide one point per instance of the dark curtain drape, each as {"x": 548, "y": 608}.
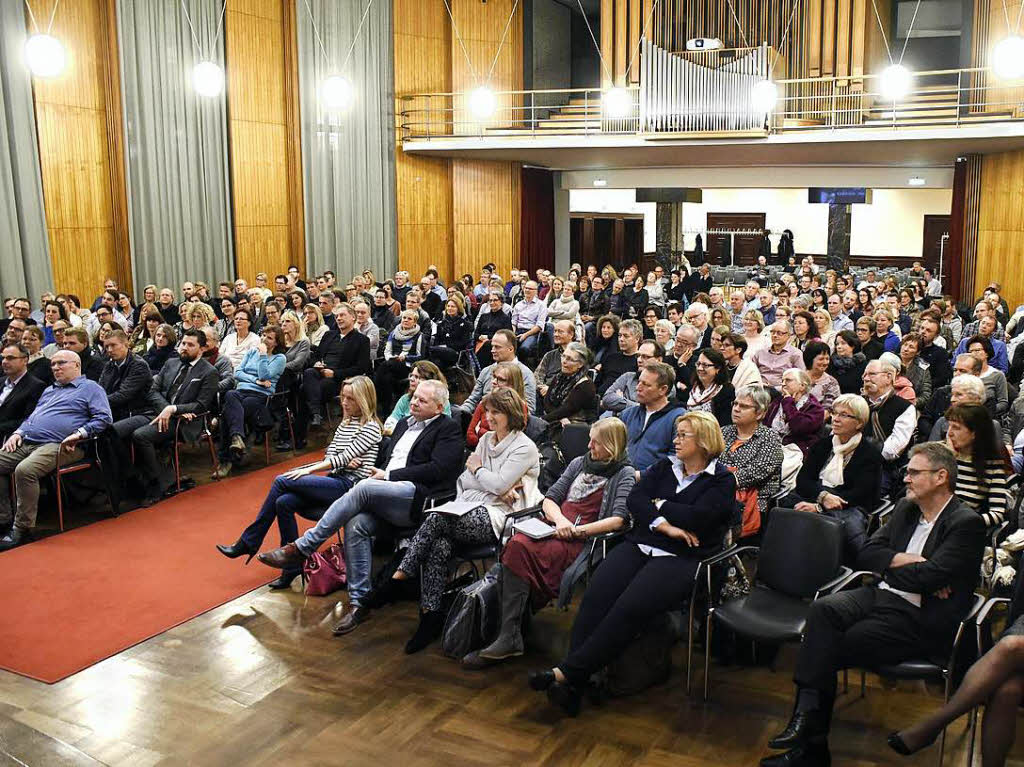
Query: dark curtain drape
{"x": 537, "y": 238}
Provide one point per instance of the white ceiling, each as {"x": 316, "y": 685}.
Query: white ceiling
{"x": 904, "y": 148}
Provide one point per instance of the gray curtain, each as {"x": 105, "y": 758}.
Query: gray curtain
{"x": 179, "y": 204}
{"x": 348, "y": 163}
{"x": 24, "y": 245}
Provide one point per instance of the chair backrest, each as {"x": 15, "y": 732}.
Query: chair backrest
{"x": 574, "y": 440}
{"x": 800, "y": 551}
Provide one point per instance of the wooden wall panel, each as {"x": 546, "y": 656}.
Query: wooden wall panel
{"x": 1000, "y": 245}
{"x": 266, "y": 176}
{"x": 78, "y": 119}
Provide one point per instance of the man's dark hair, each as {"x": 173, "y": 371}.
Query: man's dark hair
{"x": 22, "y": 351}
{"x": 280, "y": 277}
{"x": 117, "y": 335}
{"x": 659, "y": 350}
{"x": 197, "y": 334}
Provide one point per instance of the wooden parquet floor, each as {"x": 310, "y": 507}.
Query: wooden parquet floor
{"x": 261, "y": 681}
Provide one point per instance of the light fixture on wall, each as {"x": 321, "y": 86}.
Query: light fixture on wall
{"x": 208, "y": 79}
{"x": 895, "y": 82}
{"x": 1008, "y": 58}
{"x": 482, "y": 102}
{"x": 45, "y": 55}
{"x": 600, "y": 182}
{"x": 916, "y": 181}
{"x": 336, "y": 93}
{"x": 763, "y": 96}
{"x": 616, "y": 103}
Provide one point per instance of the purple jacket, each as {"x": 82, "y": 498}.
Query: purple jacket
{"x": 804, "y": 422}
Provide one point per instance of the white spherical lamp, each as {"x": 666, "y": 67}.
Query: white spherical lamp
{"x": 45, "y": 56}
{"x": 895, "y": 82}
{"x": 482, "y": 102}
{"x": 208, "y": 79}
{"x": 616, "y": 103}
{"x": 763, "y": 96}
{"x": 336, "y": 93}
{"x": 1008, "y": 58}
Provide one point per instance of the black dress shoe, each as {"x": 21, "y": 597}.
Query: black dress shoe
{"x": 14, "y": 538}
{"x": 805, "y": 755}
{"x": 350, "y": 621}
{"x": 540, "y": 680}
{"x": 430, "y": 628}
{"x": 237, "y": 549}
{"x": 566, "y": 697}
{"x": 803, "y": 726}
{"x": 284, "y": 580}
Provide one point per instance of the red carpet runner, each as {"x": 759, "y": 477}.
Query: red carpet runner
{"x": 73, "y": 599}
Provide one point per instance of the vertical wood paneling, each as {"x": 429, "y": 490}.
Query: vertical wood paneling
{"x": 607, "y": 39}
{"x": 266, "y": 174}
{"x": 78, "y": 119}
{"x": 1000, "y": 225}
{"x": 972, "y": 219}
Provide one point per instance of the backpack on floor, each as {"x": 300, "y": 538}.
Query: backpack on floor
{"x": 646, "y": 661}
{"x": 472, "y": 620}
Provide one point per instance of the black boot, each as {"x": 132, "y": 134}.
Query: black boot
{"x": 430, "y": 628}
{"x": 385, "y": 594}
{"x": 805, "y": 755}
{"x": 810, "y": 721}
{"x": 284, "y": 580}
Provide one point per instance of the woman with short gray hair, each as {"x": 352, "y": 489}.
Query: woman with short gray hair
{"x": 571, "y": 396}
{"x": 797, "y": 415}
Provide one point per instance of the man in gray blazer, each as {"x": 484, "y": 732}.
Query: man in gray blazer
{"x": 184, "y": 388}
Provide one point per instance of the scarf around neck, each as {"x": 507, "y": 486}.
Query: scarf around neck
{"x": 832, "y": 474}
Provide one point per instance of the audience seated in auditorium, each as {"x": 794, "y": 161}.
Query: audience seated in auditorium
{"x": 928, "y": 554}
{"x": 622, "y": 360}
{"x": 417, "y": 463}
{"x": 622, "y": 393}
{"x": 503, "y": 348}
{"x": 754, "y": 453}
{"x": 507, "y": 375}
{"x": 19, "y": 391}
{"x": 349, "y": 458}
{"x": 711, "y": 390}
{"x": 773, "y": 360}
{"x": 570, "y": 396}
{"x": 70, "y": 410}
{"x": 982, "y": 467}
{"x": 841, "y": 474}
{"x": 649, "y": 423}
{"x": 186, "y": 388}
{"x": 681, "y": 508}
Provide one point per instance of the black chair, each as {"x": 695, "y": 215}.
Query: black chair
{"x": 280, "y": 410}
{"x": 798, "y": 561}
{"x": 574, "y": 440}
{"x": 193, "y": 432}
{"x": 93, "y": 459}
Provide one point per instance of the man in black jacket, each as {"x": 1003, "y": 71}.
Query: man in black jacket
{"x": 184, "y": 388}
{"x": 77, "y": 340}
{"x": 928, "y": 555}
{"x": 343, "y": 352}
{"x": 127, "y": 379}
{"x": 422, "y": 459}
{"x": 939, "y": 366}
{"x": 19, "y": 391}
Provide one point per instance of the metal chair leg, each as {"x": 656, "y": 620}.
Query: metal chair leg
{"x": 972, "y": 724}
{"x": 60, "y": 503}
{"x": 707, "y": 654}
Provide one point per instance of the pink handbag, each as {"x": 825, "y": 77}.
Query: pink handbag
{"x": 325, "y": 571}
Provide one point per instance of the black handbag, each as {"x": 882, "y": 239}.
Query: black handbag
{"x": 472, "y": 620}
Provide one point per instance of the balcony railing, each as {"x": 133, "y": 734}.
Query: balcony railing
{"x": 717, "y": 102}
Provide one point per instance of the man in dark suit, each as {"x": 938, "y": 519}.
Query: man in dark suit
{"x": 184, "y": 388}
{"x": 343, "y": 352}
{"x": 422, "y": 459}
{"x": 127, "y": 380}
{"x": 77, "y": 341}
{"x": 19, "y": 391}
{"x": 928, "y": 555}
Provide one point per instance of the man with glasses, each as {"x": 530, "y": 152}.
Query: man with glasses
{"x": 774, "y": 360}
{"x": 928, "y": 552}
{"x": 70, "y": 410}
{"x": 622, "y": 393}
{"x": 21, "y": 309}
{"x": 15, "y": 330}
{"x": 696, "y": 316}
{"x": 892, "y": 422}
{"x": 528, "y": 319}
{"x": 19, "y": 391}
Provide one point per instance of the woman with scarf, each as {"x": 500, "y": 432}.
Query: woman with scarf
{"x": 588, "y": 499}
{"x": 404, "y": 347}
{"x": 848, "y": 363}
{"x": 454, "y": 335}
{"x": 711, "y": 391}
{"x": 797, "y": 416}
{"x": 841, "y": 474}
{"x": 571, "y": 396}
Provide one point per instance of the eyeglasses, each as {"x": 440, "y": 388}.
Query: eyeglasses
{"x": 683, "y": 435}
{"x": 841, "y": 414}
{"x": 915, "y": 472}
{"x": 8, "y": 357}
{"x": 60, "y": 363}
{"x": 704, "y": 365}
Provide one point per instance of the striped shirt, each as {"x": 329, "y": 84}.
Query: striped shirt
{"x": 354, "y": 440}
{"x": 986, "y": 495}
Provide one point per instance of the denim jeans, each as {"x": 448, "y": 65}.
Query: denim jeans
{"x": 310, "y": 495}
{"x": 361, "y": 511}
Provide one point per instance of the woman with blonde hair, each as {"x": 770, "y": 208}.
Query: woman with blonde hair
{"x": 295, "y": 342}
{"x": 314, "y": 325}
{"x": 653, "y": 569}
{"x": 507, "y": 375}
{"x": 753, "y": 332}
{"x": 587, "y": 500}
{"x": 348, "y": 459}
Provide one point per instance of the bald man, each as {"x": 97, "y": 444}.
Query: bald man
{"x": 70, "y": 410}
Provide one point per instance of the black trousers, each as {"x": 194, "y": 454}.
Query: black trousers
{"x": 862, "y": 627}
{"x": 316, "y": 390}
{"x": 628, "y": 589}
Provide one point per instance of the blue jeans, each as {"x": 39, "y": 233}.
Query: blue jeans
{"x": 527, "y": 345}
{"x": 307, "y": 496}
{"x": 361, "y": 512}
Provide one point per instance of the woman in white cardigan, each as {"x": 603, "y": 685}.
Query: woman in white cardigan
{"x": 744, "y": 372}
{"x": 500, "y": 477}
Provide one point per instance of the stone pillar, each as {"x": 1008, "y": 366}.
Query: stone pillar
{"x": 838, "y": 235}
{"x": 663, "y": 229}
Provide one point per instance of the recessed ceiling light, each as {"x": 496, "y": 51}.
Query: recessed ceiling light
{"x": 600, "y": 182}
{"x": 916, "y": 181}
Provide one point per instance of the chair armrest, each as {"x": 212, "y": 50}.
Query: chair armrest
{"x": 883, "y": 509}
{"x": 827, "y": 588}
{"x": 979, "y": 603}
{"x": 435, "y": 499}
{"x": 981, "y": 615}
{"x": 853, "y": 576}
{"x": 727, "y": 554}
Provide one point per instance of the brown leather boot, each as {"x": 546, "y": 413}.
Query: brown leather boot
{"x": 284, "y": 557}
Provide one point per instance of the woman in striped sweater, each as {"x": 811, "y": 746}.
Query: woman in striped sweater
{"x": 348, "y": 459}
{"x": 981, "y": 466}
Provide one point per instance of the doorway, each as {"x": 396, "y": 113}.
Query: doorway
{"x": 931, "y": 243}
{"x": 747, "y": 246}
{"x": 606, "y": 238}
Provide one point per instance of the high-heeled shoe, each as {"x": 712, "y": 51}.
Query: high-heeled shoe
{"x": 896, "y": 743}
{"x": 540, "y": 680}
{"x": 237, "y": 549}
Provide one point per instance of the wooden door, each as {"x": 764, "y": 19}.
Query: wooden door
{"x": 931, "y": 243}
{"x": 747, "y": 246}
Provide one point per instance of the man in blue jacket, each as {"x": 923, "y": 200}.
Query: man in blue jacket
{"x": 649, "y": 422}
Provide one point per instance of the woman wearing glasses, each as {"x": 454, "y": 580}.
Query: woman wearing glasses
{"x": 487, "y": 324}
{"x": 681, "y": 507}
